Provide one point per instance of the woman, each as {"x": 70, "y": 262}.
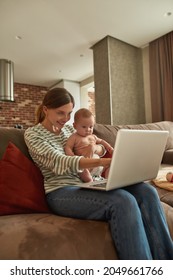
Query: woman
{"x": 137, "y": 222}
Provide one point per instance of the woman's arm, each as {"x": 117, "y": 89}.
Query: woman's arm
{"x": 50, "y": 155}
{"x": 94, "y": 162}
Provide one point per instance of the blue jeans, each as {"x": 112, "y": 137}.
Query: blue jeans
{"x": 137, "y": 222}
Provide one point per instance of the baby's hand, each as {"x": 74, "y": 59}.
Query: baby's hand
{"x": 169, "y": 177}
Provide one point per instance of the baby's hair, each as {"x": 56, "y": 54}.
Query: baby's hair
{"x": 82, "y": 113}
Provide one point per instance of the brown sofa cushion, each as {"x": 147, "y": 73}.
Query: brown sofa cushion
{"x": 21, "y": 184}
{"x": 109, "y": 132}
{"x": 51, "y": 237}
{"x": 168, "y": 210}
{"x": 166, "y": 196}
{"x": 168, "y": 157}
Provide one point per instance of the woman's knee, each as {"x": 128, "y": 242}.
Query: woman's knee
{"x": 124, "y": 200}
{"x": 148, "y": 190}
{"x": 145, "y": 192}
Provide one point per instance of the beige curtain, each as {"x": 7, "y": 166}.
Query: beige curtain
{"x": 161, "y": 77}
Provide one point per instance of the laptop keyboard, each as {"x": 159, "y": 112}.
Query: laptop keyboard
{"x": 98, "y": 185}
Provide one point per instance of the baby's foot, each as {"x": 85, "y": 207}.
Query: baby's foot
{"x": 86, "y": 176}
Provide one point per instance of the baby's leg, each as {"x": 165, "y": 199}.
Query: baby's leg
{"x": 86, "y": 176}
{"x": 106, "y": 172}
{"x": 96, "y": 171}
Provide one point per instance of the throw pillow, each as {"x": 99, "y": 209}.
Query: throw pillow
{"x": 21, "y": 184}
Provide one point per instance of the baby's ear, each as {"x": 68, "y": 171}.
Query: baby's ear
{"x": 74, "y": 125}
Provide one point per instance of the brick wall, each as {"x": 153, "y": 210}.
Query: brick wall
{"x": 22, "y": 110}
{"x": 91, "y": 100}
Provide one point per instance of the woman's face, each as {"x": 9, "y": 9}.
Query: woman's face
{"x": 58, "y": 117}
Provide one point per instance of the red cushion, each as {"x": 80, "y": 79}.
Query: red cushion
{"x": 21, "y": 184}
{"x": 107, "y": 155}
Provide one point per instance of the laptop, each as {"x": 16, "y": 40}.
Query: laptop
{"x": 136, "y": 158}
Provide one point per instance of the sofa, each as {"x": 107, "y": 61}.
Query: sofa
{"x": 28, "y": 229}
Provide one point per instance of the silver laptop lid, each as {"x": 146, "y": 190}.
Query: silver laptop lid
{"x": 137, "y": 156}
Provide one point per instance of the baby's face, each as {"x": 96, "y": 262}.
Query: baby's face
{"x": 84, "y": 126}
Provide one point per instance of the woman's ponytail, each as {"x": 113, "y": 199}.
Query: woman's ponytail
{"x": 40, "y": 114}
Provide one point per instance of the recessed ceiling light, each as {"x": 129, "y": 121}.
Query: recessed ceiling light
{"x": 167, "y": 14}
{"x": 18, "y": 38}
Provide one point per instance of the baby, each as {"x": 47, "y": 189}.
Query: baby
{"x": 81, "y": 141}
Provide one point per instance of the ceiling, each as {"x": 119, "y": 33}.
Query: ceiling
{"x": 54, "y": 37}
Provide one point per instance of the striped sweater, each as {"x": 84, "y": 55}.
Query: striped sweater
{"x": 47, "y": 151}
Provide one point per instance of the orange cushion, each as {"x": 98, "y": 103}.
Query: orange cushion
{"x": 21, "y": 184}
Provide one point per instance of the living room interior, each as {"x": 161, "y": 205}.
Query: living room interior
{"x": 50, "y": 50}
{"x": 102, "y": 52}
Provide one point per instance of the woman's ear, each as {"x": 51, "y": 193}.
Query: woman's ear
{"x": 45, "y": 109}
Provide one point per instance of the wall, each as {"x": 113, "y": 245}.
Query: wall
{"x": 28, "y": 97}
{"x": 119, "y": 89}
{"x": 88, "y": 94}
{"x": 22, "y": 110}
{"x": 103, "y": 106}
{"x": 146, "y": 76}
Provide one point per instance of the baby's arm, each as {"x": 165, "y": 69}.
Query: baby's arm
{"x": 107, "y": 146}
{"x": 70, "y": 145}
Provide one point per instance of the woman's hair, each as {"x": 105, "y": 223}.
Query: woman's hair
{"x": 53, "y": 99}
